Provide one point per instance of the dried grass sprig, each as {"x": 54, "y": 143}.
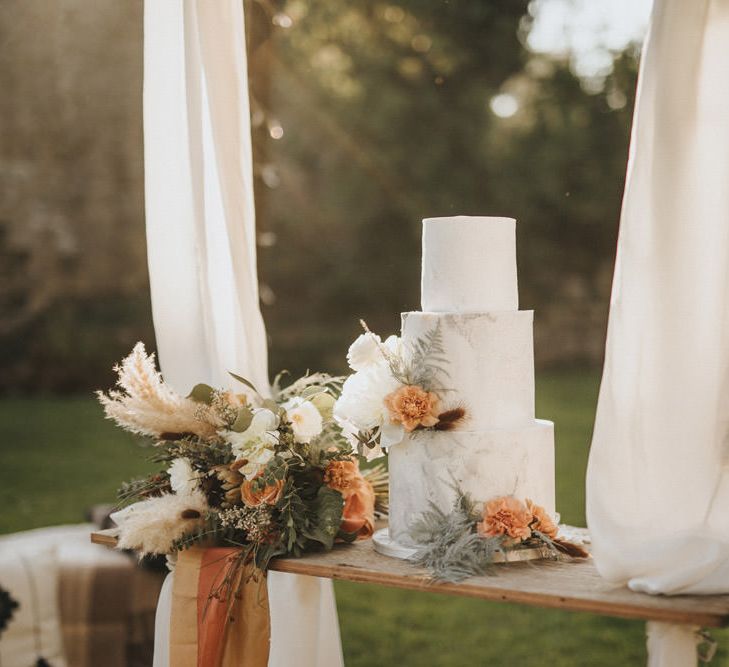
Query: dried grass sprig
{"x": 379, "y": 479}
{"x": 146, "y": 405}
{"x": 309, "y": 385}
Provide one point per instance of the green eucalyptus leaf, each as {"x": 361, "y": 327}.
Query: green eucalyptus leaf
{"x": 271, "y": 405}
{"x": 247, "y": 383}
{"x": 327, "y": 508}
{"x": 243, "y": 420}
{"x": 324, "y": 402}
{"x": 202, "y": 393}
{"x": 347, "y": 537}
{"x": 313, "y": 390}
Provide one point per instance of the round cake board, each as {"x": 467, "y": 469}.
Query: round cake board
{"x": 386, "y": 546}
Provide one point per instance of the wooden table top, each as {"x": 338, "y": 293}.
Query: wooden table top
{"x": 571, "y": 586}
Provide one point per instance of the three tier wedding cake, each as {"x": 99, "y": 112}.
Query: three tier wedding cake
{"x": 452, "y": 398}
{"x": 469, "y": 292}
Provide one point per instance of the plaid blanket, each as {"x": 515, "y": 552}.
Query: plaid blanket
{"x": 107, "y": 602}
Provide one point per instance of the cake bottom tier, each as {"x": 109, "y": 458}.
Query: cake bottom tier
{"x": 485, "y": 464}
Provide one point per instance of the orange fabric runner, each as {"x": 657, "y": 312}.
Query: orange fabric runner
{"x": 202, "y": 634}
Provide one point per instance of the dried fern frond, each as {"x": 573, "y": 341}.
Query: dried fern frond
{"x": 144, "y": 404}
{"x": 379, "y": 479}
{"x": 428, "y": 360}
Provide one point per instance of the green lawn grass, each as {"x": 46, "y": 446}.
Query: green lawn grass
{"x": 58, "y": 456}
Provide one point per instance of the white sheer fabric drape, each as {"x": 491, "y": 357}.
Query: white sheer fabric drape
{"x": 658, "y": 481}
{"x": 202, "y": 257}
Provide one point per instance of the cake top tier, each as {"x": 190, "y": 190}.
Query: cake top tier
{"x": 469, "y": 264}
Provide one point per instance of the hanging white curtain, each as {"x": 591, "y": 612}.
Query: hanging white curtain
{"x": 658, "y": 481}
{"x": 202, "y": 257}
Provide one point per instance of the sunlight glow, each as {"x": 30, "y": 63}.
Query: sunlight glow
{"x": 504, "y": 105}
{"x": 588, "y": 31}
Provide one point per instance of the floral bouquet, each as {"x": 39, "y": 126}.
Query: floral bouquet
{"x": 395, "y": 389}
{"x": 268, "y": 476}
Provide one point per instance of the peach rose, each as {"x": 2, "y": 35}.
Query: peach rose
{"x": 506, "y": 516}
{"x": 268, "y": 495}
{"x": 358, "y": 514}
{"x": 541, "y": 521}
{"x": 412, "y": 406}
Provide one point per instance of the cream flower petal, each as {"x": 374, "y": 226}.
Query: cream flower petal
{"x": 364, "y": 352}
{"x": 306, "y": 420}
{"x": 391, "y": 434}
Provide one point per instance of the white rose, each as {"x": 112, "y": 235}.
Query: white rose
{"x": 257, "y": 455}
{"x": 242, "y": 442}
{"x": 305, "y": 419}
{"x": 183, "y": 479}
{"x": 256, "y": 443}
{"x": 362, "y": 403}
{"x": 364, "y": 352}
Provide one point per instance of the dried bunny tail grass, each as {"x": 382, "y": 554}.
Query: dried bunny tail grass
{"x": 152, "y": 526}
{"x": 148, "y": 406}
{"x": 450, "y": 419}
{"x": 569, "y": 548}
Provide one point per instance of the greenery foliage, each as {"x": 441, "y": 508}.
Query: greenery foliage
{"x": 385, "y": 115}
{"x": 452, "y": 550}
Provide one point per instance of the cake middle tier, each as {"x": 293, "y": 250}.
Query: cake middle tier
{"x": 489, "y": 363}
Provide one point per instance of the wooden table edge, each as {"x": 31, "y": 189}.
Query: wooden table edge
{"x": 357, "y": 574}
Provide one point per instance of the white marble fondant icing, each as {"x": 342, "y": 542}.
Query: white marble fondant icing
{"x": 490, "y": 364}
{"x": 469, "y": 264}
{"x": 469, "y": 288}
{"x": 486, "y": 464}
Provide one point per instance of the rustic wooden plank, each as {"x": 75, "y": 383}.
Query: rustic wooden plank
{"x": 574, "y": 586}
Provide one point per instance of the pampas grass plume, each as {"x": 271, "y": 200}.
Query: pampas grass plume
{"x": 146, "y": 405}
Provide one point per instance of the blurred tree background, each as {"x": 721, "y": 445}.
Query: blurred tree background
{"x": 367, "y": 116}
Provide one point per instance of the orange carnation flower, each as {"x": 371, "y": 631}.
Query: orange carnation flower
{"x": 358, "y": 514}
{"x": 340, "y": 475}
{"x": 506, "y": 516}
{"x": 412, "y": 406}
{"x": 268, "y": 495}
{"x": 541, "y": 521}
